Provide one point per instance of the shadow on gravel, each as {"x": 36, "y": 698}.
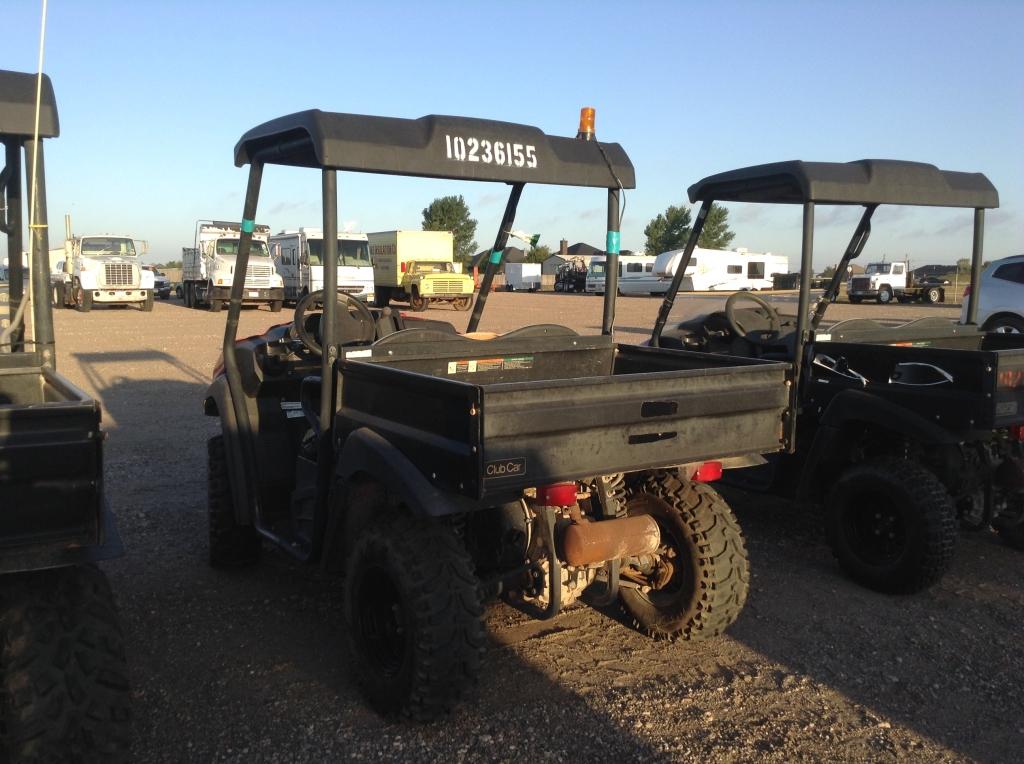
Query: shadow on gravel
{"x": 944, "y": 662}
{"x": 252, "y": 662}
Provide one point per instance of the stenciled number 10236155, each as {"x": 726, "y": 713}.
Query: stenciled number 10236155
{"x": 471, "y": 149}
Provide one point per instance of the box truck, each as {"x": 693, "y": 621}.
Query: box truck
{"x": 418, "y": 267}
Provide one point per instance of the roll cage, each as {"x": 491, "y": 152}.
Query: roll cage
{"x": 867, "y": 183}
{"x": 436, "y": 146}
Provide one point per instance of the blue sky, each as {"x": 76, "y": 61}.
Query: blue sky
{"x": 153, "y": 96}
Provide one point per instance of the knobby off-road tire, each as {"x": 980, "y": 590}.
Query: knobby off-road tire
{"x": 704, "y": 544}
{"x": 414, "y": 617}
{"x": 892, "y": 525}
{"x": 231, "y": 545}
{"x": 1012, "y": 535}
{"x": 65, "y": 694}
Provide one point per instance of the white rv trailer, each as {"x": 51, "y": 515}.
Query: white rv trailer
{"x": 636, "y": 275}
{"x": 726, "y": 270}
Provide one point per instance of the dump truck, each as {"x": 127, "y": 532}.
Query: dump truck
{"x": 418, "y": 267}
{"x": 207, "y": 268}
{"x": 64, "y": 690}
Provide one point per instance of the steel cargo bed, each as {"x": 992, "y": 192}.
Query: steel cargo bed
{"x": 50, "y": 465}
{"x": 487, "y": 418}
{"x": 956, "y": 376}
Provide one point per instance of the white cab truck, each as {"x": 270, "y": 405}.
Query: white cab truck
{"x": 99, "y": 269}
{"x": 418, "y": 267}
{"x": 884, "y": 282}
{"x": 730, "y": 270}
{"x": 299, "y": 254}
{"x": 522, "y": 277}
{"x": 207, "y": 268}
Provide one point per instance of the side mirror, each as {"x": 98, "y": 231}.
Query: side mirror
{"x": 142, "y": 247}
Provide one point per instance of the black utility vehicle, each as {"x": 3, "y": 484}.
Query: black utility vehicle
{"x": 64, "y": 692}
{"x": 900, "y": 431}
{"x": 436, "y": 469}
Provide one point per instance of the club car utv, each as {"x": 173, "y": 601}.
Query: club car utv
{"x": 900, "y": 431}
{"x": 64, "y": 692}
{"x": 437, "y": 470}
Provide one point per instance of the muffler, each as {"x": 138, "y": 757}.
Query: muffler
{"x": 592, "y": 543}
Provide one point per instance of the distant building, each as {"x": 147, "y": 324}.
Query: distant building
{"x": 512, "y": 255}
{"x": 582, "y": 250}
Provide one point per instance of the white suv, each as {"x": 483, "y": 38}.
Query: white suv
{"x": 1001, "y": 308}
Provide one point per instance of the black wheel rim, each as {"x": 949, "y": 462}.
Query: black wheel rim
{"x": 874, "y": 528}
{"x": 381, "y": 629}
{"x": 673, "y": 550}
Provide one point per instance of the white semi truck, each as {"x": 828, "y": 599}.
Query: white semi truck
{"x": 299, "y": 257}
{"x": 207, "y": 268}
{"x": 99, "y": 269}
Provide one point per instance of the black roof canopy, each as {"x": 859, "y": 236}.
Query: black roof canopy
{"x": 18, "y": 106}
{"x": 457, "y": 148}
{"x": 867, "y": 181}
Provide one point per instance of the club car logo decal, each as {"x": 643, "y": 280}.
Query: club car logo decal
{"x": 470, "y": 149}
{"x": 505, "y": 468}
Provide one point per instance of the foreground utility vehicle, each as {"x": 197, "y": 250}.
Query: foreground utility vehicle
{"x": 436, "y": 469}
{"x": 64, "y": 692}
{"x": 900, "y": 431}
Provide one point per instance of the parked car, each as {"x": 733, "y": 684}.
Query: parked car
{"x": 1001, "y": 304}
{"x": 161, "y": 284}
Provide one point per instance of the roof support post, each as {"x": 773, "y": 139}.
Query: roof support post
{"x": 496, "y": 256}
{"x": 42, "y": 315}
{"x": 976, "y": 253}
{"x": 611, "y": 270}
{"x": 853, "y": 249}
{"x": 15, "y": 244}
{"x": 677, "y": 278}
{"x": 330, "y": 260}
{"x": 802, "y": 321}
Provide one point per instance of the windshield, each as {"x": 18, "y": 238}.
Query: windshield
{"x": 230, "y": 247}
{"x": 350, "y": 252}
{"x": 432, "y": 268}
{"x": 597, "y": 269}
{"x": 108, "y": 245}
{"x": 878, "y": 268}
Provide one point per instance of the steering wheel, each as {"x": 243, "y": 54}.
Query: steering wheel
{"x": 353, "y": 321}
{"x": 775, "y": 321}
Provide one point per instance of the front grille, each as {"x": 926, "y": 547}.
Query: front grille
{"x": 258, "y": 276}
{"x": 117, "y": 274}
{"x": 447, "y": 287}
{"x": 861, "y": 285}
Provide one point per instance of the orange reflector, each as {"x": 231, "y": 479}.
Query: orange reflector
{"x": 708, "y": 472}
{"x": 587, "y": 120}
{"x": 1017, "y": 433}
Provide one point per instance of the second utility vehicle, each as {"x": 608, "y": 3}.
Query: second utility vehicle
{"x": 437, "y": 469}
{"x": 900, "y": 431}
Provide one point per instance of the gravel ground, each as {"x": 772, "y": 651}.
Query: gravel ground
{"x": 248, "y": 666}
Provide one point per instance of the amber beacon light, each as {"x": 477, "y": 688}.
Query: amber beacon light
{"x": 586, "y": 132}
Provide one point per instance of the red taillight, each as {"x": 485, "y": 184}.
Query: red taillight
{"x": 403, "y": 267}
{"x": 967, "y": 291}
{"x": 1017, "y": 433}
{"x": 708, "y": 472}
{"x": 557, "y": 495}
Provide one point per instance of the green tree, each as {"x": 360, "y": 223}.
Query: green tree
{"x": 668, "y": 231}
{"x": 450, "y": 213}
{"x": 671, "y": 229}
{"x": 716, "y": 233}
{"x": 828, "y": 272}
{"x": 538, "y": 254}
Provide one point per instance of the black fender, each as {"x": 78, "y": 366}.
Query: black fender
{"x": 217, "y": 402}
{"x": 368, "y": 453}
{"x": 831, "y": 444}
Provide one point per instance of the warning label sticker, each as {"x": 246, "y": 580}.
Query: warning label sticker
{"x": 490, "y": 364}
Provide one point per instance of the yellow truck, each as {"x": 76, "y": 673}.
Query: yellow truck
{"x": 418, "y": 267}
